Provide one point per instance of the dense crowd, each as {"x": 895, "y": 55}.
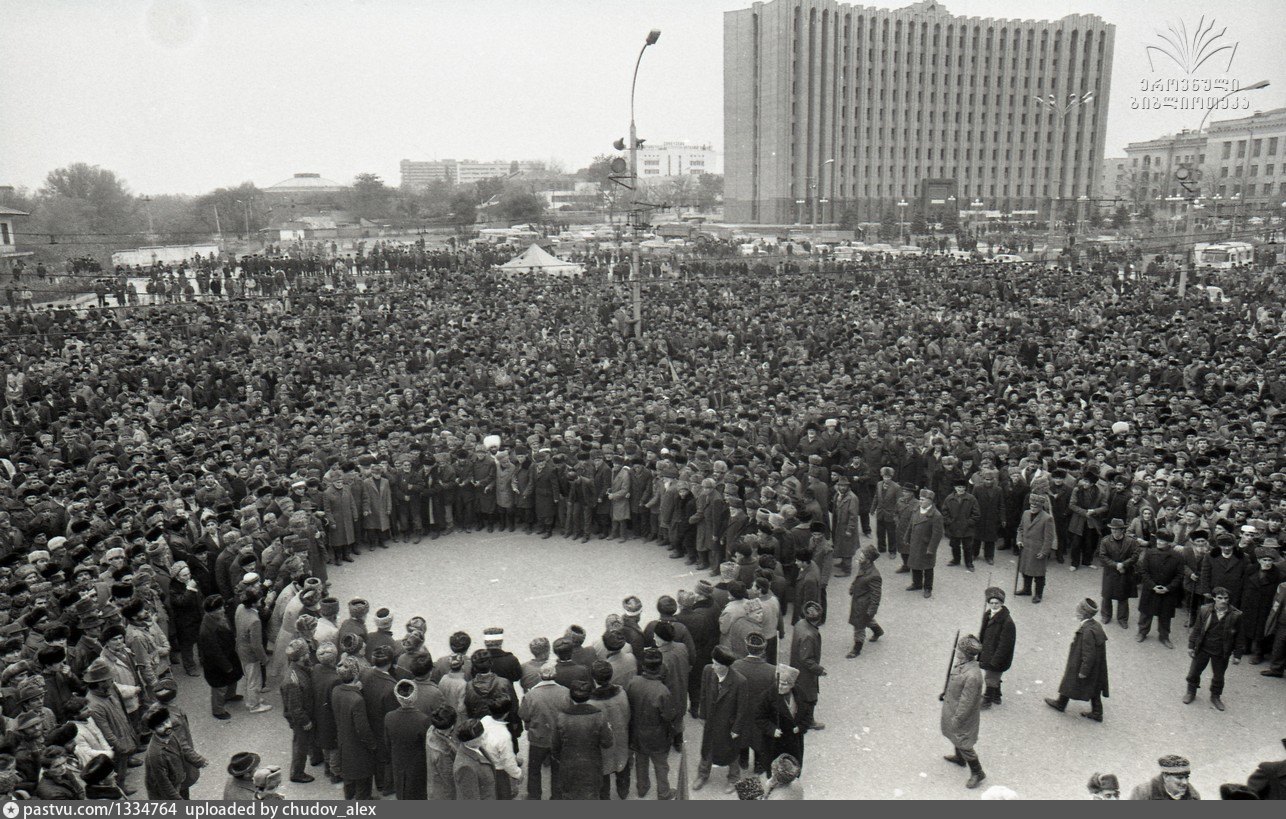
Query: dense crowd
{"x": 177, "y": 481}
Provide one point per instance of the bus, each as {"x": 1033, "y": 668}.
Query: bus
{"x": 1222, "y": 255}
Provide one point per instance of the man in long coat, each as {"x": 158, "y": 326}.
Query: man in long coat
{"x": 806, "y": 657}
{"x": 405, "y": 731}
{"x": 1037, "y": 540}
{"x": 544, "y": 493}
{"x": 865, "y": 592}
{"x": 960, "y": 515}
{"x": 1085, "y": 676}
{"x": 357, "y": 744}
{"x": 581, "y": 734}
{"x": 846, "y": 527}
{"x": 217, "y": 648}
{"x": 325, "y": 734}
{"x": 991, "y": 514}
{"x": 1161, "y": 574}
{"x": 777, "y": 722}
{"x": 727, "y": 714}
{"x": 1117, "y": 556}
{"x": 924, "y": 534}
{"x": 341, "y": 519}
{"x": 962, "y": 707}
{"x": 652, "y": 714}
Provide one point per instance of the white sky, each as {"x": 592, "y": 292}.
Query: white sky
{"x": 181, "y": 96}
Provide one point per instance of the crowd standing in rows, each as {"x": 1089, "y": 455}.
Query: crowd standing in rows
{"x": 179, "y": 481}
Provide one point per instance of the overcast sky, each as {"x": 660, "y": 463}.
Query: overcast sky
{"x": 181, "y": 96}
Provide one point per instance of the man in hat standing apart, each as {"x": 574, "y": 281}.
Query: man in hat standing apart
{"x": 1161, "y": 581}
{"x": 1085, "y": 677}
{"x": 998, "y": 636}
{"x": 962, "y": 706}
{"x": 864, "y": 593}
{"x": 924, "y": 534}
{"x": 1172, "y": 783}
{"x": 1036, "y": 541}
{"x": 1118, "y": 554}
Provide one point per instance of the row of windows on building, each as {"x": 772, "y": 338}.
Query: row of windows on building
{"x": 901, "y": 35}
{"x": 886, "y": 77}
{"x": 1256, "y": 147}
{"x": 991, "y": 190}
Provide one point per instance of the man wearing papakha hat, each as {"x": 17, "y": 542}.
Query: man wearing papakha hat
{"x": 998, "y": 636}
{"x": 962, "y": 708}
{"x": 1173, "y": 783}
{"x": 1085, "y": 677}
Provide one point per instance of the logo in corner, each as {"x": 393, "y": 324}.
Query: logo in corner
{"x": 10, "y": 810}
{"x": 1190, "y": 50}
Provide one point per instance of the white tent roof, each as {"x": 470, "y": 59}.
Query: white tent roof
{"x": 535, "y": 259}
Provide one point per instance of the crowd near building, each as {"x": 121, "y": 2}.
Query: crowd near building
{"x": 182, "y": 482}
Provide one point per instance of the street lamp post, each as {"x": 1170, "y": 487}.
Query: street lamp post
{"x": 147, "y": 206}
{"x": 815, "y": 181}
{"x": 636, "y": 294}
{"x": 1060, "y": 111}
{"x": 902, "y": 206}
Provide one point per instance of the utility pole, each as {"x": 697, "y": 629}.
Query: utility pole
{"x": 636, "y": 214}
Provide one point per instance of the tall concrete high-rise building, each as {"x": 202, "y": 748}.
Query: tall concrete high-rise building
{"x": 864, "y": 107}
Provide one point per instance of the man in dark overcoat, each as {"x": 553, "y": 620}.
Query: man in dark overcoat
{"x": 581, "y": 734}
{"x": 777, "y": 719}
{"x": 960, "y": 515}
{"x": 1117, "y": 556}
{"x": 405, "y": 731}
{"x": 1085, "y": 676}
{"x": 652, "y": 714}
{"x": 1160, "y": 583}
{"x": 998, "y": 636}
{"x": 924, "y": 534}
{"x": 357, "y": 743}
{"x": 728, "y": 718}
{"x": 865, "y": 593}
{"x": 217, "y": 647}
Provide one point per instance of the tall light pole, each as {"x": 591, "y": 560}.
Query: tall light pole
{"x": 902, "y": 206}
{"x": 1060, "y": 111}
{"x": 147, "y": 206}
{"x": 816, "y": 180}
{"x": 636, "y": 294}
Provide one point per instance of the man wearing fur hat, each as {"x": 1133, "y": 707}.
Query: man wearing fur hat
{"x": 962, "y": 706}
{"x": 998, "y": 636}
{"x": 777, "y": 715}
{"x": 164, "y": 770}
{"x": 406, "y": 729}
{"x": 1172, "y": 783}
{"x": 728, "y": 717}
{"x": 1085, "y": 676}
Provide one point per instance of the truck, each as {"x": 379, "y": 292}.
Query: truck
{"x": 1222, "y": 255}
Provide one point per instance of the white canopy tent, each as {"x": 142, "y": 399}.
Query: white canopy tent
{"x": 535, "y": 259}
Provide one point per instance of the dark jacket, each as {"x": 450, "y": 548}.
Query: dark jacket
{"x": 772, "y": 714}
{"x": 581, "y": 734}
{"x": 1085, "y": 675}
{"x": 357, "y": 743}
{"x": 404, "y": 732}
{"x": 726, "y": 710}
{"x": 1160, "y": 568}
{"x": 1229, "y": 628}
{"x": 652, "y": 712}
{"x": 164, "y": 772}
{"x": 218, "y": 649}
{"x": 324, "y": 680}
{"x": 998, "y": 636}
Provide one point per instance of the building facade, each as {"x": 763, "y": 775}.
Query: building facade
{"x": 858, "y": 106}
{"x": 1153, "y": 169}
{"x": 669, "y": 159}
{"x": 419, "y": 175}
{"x": 1246, "y": 161}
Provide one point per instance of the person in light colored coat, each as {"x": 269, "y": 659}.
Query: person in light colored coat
{"x": 962, "y": 708}
{"x": 1036, "y": 540}
{"x": 924, "y": 532}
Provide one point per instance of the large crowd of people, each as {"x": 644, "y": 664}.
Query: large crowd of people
{"x": 179, "y": 480}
